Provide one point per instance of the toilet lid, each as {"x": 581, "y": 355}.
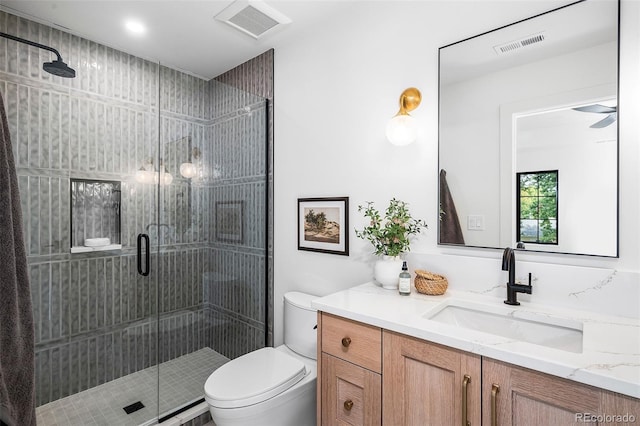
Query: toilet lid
{"x": 253, "y": 378}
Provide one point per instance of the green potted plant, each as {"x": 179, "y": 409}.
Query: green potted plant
{"x": 390, "y": 236}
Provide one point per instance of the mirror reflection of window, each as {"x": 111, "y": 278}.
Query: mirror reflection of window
{"x": 574, "y": 139}
{"x": 537, "y": 197}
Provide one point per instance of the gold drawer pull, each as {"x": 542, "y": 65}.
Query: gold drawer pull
{"x": 346, "y": 341}
{"x": 494, "y": 404}
{"x": 348, "y": 405}
{"x": 465, "y": 383}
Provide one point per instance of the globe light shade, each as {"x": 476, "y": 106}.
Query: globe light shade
{"x": 402, "y": 130}
{"x": 188, "y": 170}
{"x": 141, "y": 175}
{"x": 167, "y": 178}
{"x": 144, "y": 176}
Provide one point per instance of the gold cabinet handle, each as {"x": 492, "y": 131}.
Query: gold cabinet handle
{"x": 494, "y": 404}
{"x": 465, "y": 383}
{"x": 346, "y": 341}
{"x": 348, "y": 405}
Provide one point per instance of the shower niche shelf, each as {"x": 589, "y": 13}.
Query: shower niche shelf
{"x": 95, "y": 215}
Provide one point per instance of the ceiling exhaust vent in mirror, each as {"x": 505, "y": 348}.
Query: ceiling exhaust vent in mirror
{"x": 512, "y": 46}
{"x": 252, "y": 17}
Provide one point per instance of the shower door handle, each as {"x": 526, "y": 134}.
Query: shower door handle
{"x": 144, "y": 272}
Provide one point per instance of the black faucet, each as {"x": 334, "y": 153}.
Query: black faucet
{"x": 509, "y": 264}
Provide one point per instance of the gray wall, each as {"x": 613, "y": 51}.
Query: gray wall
{"x": 96, "y": 318}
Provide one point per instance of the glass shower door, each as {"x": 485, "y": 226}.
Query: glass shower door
{"x": 212, "y": 234}
{"x": 120, "y": 293}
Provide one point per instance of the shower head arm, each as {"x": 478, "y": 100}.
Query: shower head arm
{"x": 32, "y": 43}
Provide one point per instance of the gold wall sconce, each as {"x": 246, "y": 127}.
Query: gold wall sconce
{"x": 402, "y": 129}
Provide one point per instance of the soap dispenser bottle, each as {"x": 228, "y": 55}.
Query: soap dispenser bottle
{"x": 404, "y": 281}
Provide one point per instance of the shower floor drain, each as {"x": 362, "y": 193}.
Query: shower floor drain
{"x": 133, "y": 407}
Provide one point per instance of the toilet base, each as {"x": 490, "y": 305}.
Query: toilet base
{"x": 298, "y": 411}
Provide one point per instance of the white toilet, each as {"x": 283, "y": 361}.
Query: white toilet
{"x": 271, "y": 386}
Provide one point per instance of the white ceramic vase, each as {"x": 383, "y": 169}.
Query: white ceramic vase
{"x": 386, "y": 271}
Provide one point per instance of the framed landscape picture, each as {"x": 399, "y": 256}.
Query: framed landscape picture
{"x": 323, "y": 225}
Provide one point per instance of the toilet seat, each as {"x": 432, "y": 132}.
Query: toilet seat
{"x": 253, "y": 378}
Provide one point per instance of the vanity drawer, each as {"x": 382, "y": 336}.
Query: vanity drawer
{"x": 352, "y": 341}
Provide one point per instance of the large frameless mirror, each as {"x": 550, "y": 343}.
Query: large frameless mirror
{"x": 528, "y": 134}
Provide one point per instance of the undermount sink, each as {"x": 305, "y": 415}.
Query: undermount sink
{"x": 552, "y": 332}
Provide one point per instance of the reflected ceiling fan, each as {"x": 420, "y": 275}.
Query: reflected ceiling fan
{"x": 601, "y": 109}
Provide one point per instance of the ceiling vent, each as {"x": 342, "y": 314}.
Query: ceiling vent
{"x": 252, "y": 17}
{"x": 516, "y": 45}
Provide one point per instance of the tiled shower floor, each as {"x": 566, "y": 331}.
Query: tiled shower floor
{"x": 181, "y": 382}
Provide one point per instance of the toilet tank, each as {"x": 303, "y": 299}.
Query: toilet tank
{"x": 300, "y": 324}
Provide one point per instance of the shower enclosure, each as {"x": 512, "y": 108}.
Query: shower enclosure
{"x": 173, "y": 170}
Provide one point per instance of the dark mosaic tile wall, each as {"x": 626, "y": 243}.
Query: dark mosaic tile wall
{"x": 96, "y": 318}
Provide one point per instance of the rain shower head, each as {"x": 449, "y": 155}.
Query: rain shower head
{"x": 59, "y": 68}
{"x": 56, "y": 67}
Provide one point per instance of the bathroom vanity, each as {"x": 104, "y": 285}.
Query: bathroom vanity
{"x": 393, "y": 360}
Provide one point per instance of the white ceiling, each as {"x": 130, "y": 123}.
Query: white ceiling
{"x": 181, "y": 34}
{"x": 597, "y": 23}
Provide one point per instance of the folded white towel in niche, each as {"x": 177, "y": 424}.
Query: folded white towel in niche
{"x": 97, "y": 242}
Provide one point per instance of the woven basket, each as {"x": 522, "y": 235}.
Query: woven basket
{"x": 429, "y": 283}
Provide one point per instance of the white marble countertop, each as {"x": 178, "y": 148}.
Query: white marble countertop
{"x": 609, "y": 359}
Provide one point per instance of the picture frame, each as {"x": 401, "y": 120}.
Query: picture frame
{"x": 230, "y": 221}
{"x": 323, "y": 225}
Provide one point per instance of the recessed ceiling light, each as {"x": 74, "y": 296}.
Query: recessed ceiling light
{"x": 135, "y": 27}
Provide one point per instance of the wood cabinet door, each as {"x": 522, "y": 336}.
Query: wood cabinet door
{"x": 351, "y": 395}
{"x": 623, "y": 409}
{"x": 424, "y": 383}
{"x": 525, "y": 397}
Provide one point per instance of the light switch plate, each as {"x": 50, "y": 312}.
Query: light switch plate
{"x": 475, "y": 223}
